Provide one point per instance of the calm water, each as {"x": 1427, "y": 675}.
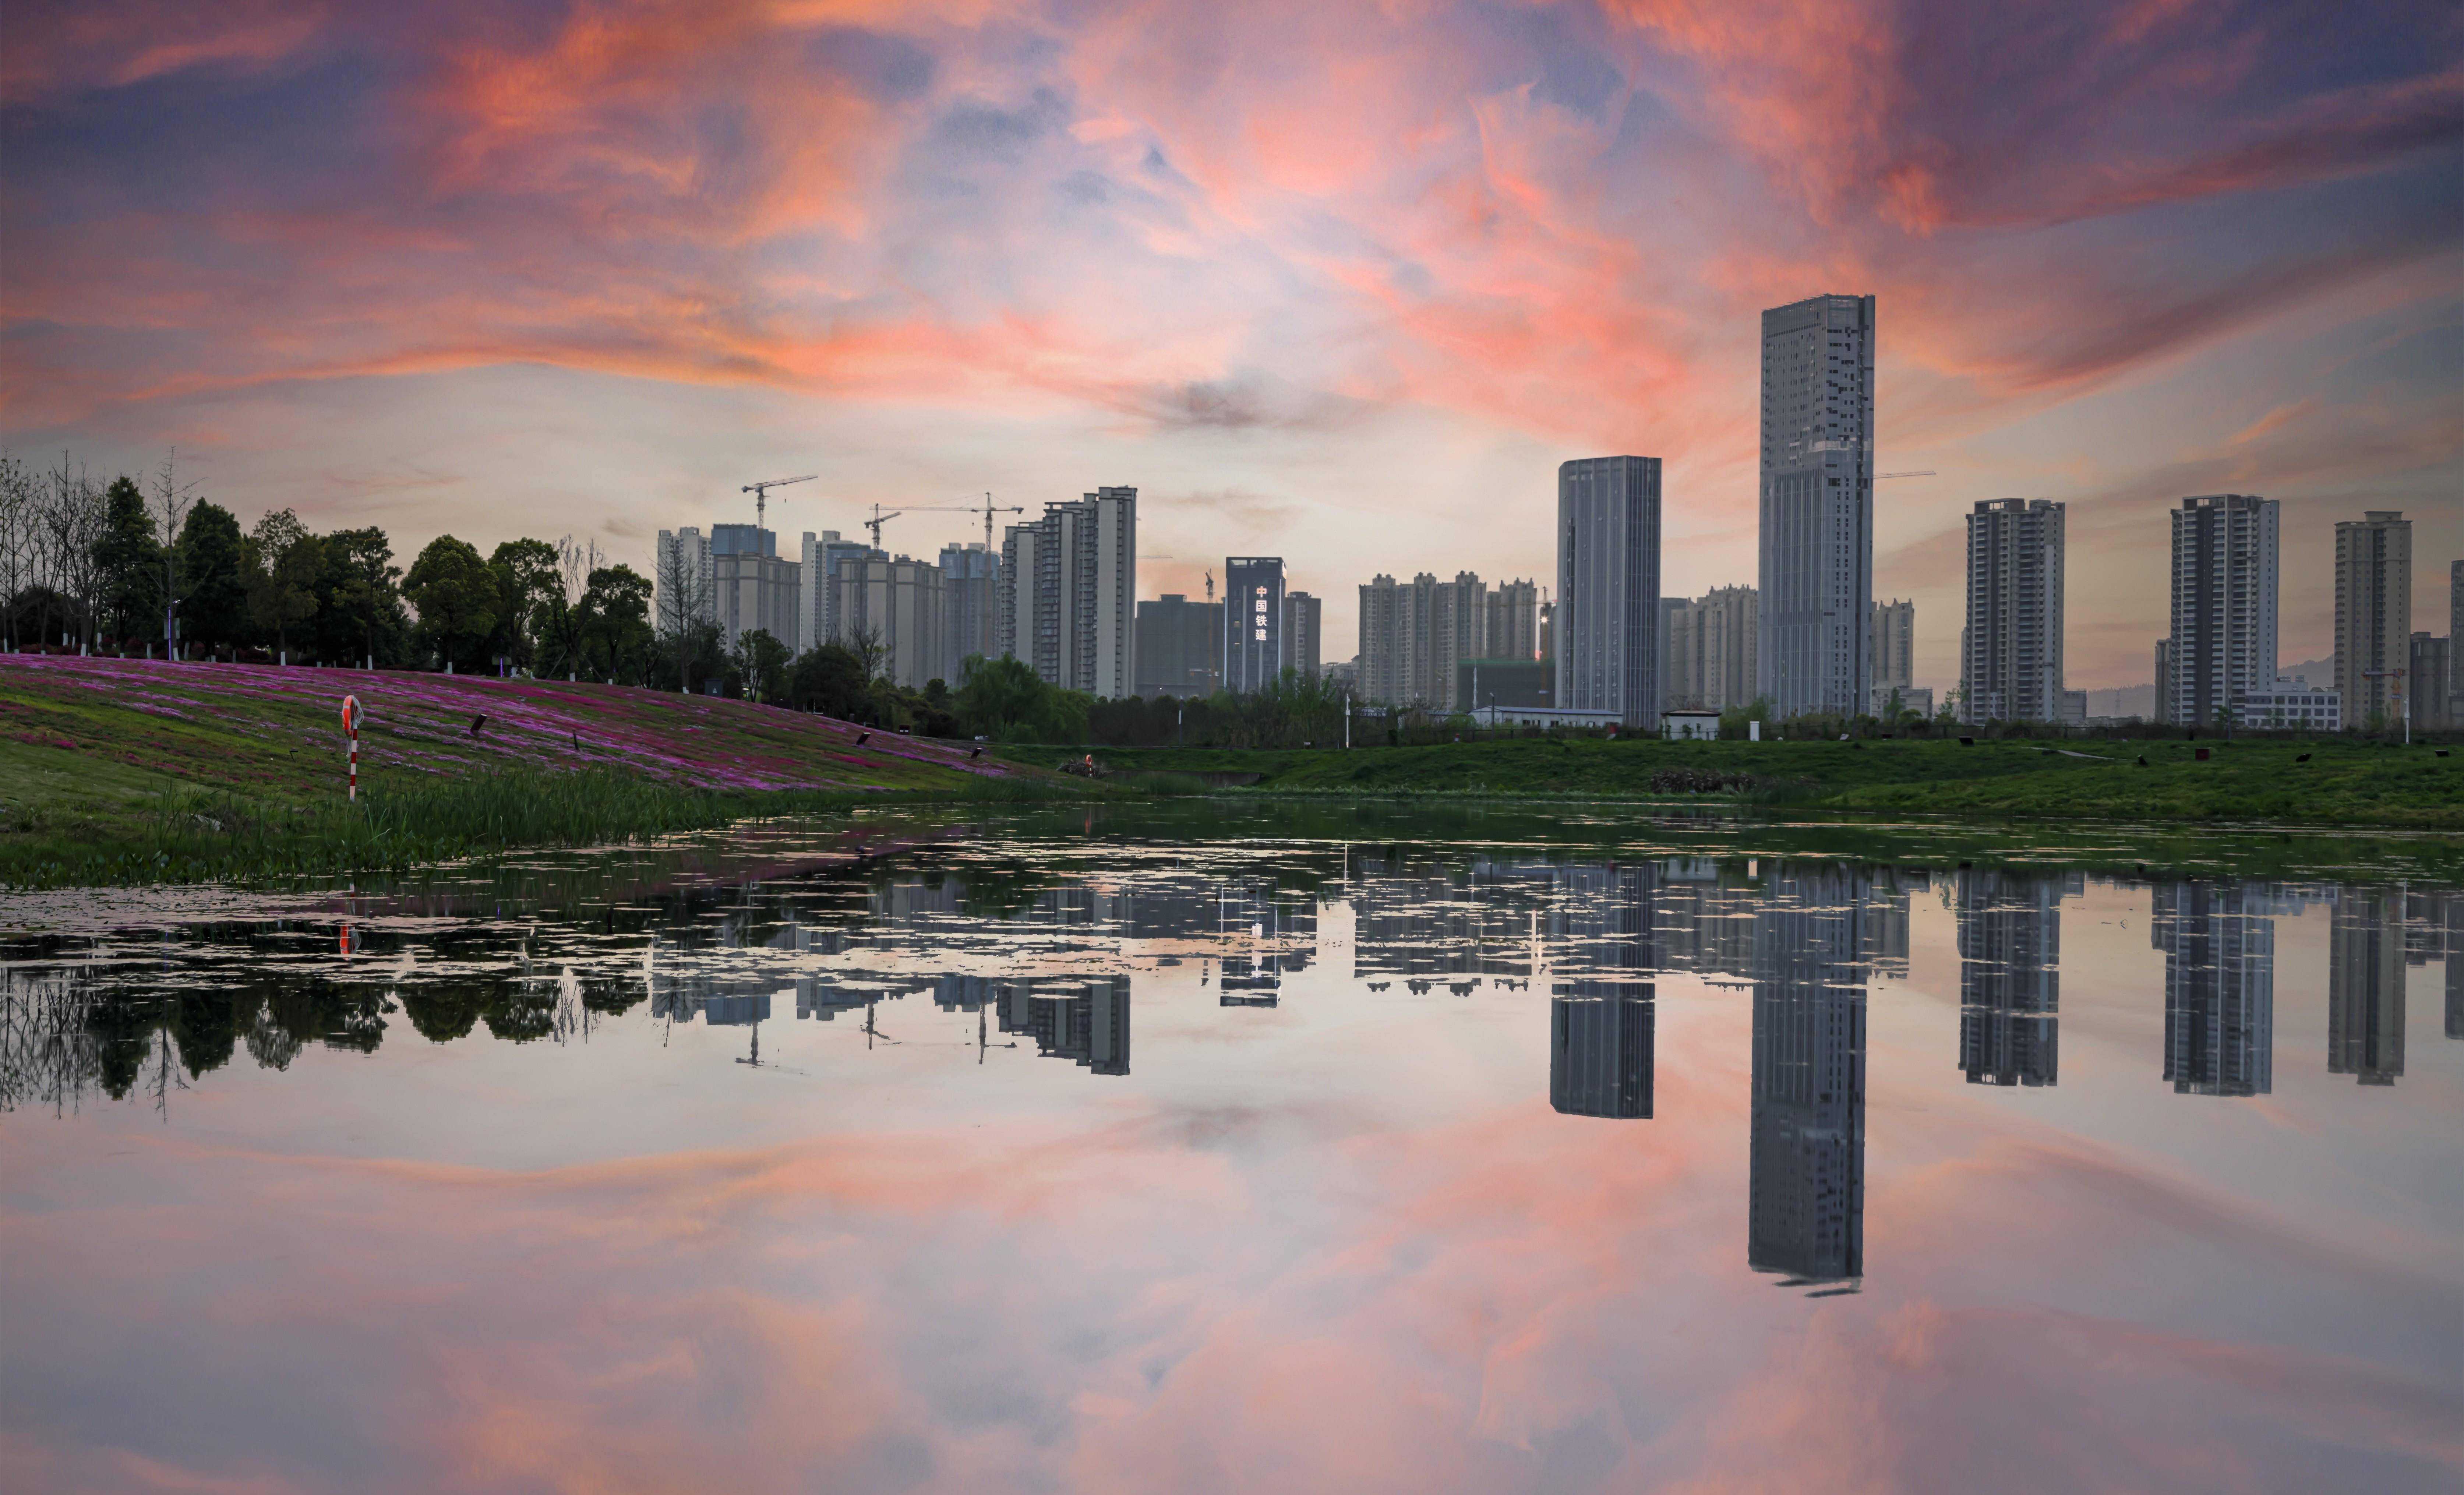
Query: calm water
{"x": 1245, "y": 1150}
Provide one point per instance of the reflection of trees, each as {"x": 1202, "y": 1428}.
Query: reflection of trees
{"x": 520, "y": 1013}
{"x": 201, "y": 1021}
{"x": 444, "y": 1011}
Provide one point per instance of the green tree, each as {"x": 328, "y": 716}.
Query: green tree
{"x": 131, "y": 563}
{"x": 1005, "y": 700}
{"x": 829, "y": 680}
{"x": 213, "y": 603}
{"x": 360, "y": 613}
{"x": 456, "y": 595}
{"x": 614, "y": 624}
{"x": 530, "y": 590}
{"x": 761, "y": 662}
{"x": 282, "y": 560}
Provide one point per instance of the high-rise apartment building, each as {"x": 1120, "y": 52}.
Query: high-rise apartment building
{"x": 1600, "y": 1053}
{"x": 1303, "y": 640}
{"x": 1608, "y": 588}
{"x": 1806, "y": 1165}
{"x": 2373, "y": 616}
{"x": 2011, "y": 651}
{"x": 970, "y": 607}
{"x": 2223, "y": 641}
{"x": 1067, "y": 593}
{"x": 1179, "y": 649}
{"x": 1710, "y": 650}
{"x": 896, "y": 606}
{"x": 1893, "y": 629}
{"x": 1253, "y": 622}
{"x": 1818, "y": 505}
{"x": 1416, "y": 635}
{"x": 2425, "y": 692}
{"x": 817, "y": 583}
{"x": 2454, "y": 650}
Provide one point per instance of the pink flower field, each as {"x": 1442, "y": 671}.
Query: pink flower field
{"x": 266, "y": 728}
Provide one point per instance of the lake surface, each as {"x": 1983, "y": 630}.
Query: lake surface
{"x": 1247, "y": 1149}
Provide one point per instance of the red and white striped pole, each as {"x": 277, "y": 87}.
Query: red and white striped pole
{"x": 351, "y": 727}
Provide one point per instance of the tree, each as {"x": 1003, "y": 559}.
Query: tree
{"x": 16, "y": 536}
{"x": 213, "y": 606}
{"x": 130, "y": 561}
{"x": 1008, "y": 701}
{"x": 683, "y": 596}
{"x": 359, "y": 599}
{"x": 282, "y": 560}
{"x": 528, "y": 583}
{"x": 830, "y": 680}
{"x": 71, "y": 525}
{"x": 761, "y": 662}
{"x": 171, "y": 501}
{"x": 456, "y": 595}
{"x": 614, "y": 627}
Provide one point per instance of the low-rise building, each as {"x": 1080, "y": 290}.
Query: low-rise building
{"x": 1689, "y": 726}
{"x": 2290, "y": 706}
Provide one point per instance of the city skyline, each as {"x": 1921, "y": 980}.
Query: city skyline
{"x": 1306, "y": 311}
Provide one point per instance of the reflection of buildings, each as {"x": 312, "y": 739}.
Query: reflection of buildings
{"x": 2365, "y": 986}
{"x": 1806, "y": 1206}
{"x": 2219, "y": 947}
{"x": 2009, "y": 941}
{"x": 1599, "y": 1051}
{"x": 1262, "y": 934}
{"x": 1085, "y": 1021}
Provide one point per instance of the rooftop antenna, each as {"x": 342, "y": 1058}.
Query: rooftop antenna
{"x": 760, "y": 493}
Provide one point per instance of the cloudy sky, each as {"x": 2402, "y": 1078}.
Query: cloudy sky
{"x": 1342, "y": 282}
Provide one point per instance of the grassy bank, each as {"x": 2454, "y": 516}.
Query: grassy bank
{"x": 2317, "y": 783}
{"x": 114, "y": 771}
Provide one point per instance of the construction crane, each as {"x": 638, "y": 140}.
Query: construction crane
{"x": 986, "y": 508}
{"x": 760, "y": 493}
{"x": 876, "y": 523}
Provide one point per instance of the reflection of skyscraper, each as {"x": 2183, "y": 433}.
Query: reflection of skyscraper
{"x": 2009, "y": 941}
{"x": 2219, "y": 949}
{"x": 1806, "y": 1209}
{"x": 2365, "y": 986}
{"x": 1086, "y": 1021}
{"x": 1599, "y": 1051}
{"x": 2454, "y": 903}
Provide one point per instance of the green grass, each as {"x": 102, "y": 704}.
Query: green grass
{"x": 2343, "y": 784}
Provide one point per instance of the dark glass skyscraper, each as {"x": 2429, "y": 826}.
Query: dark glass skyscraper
{"x": 1253, "y": 622}
{"x": 1806, "y": 1204}
{"x": 1818, "y": 505}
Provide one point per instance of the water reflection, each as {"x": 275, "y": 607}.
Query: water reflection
{"x": 1807, "y": 1186}
{"x": 2009, "y": 988}
{"x": 2365, "y": 963}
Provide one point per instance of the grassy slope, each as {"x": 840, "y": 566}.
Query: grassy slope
{"x": 2343, "y": 784}
{"x": 92, "y": 748}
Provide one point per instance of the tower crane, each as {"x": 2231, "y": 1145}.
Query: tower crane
{"x": 987, "y": 509}
{"x": 876, "y": 523}
{"x": 760, "y": 493}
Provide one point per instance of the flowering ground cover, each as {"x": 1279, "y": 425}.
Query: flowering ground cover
{"x": 92, "y": 748}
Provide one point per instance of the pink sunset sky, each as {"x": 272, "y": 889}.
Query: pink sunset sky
{"x": 1342, "y": 282}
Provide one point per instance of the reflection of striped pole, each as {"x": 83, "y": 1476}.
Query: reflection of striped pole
{"x": 351, "y": 726}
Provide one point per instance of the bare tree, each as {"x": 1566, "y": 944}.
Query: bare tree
{"x": 869, "y": 649}
{"x": 563, "y": 623}
{"x": 683, "y": 585}
{"x": 73, "y": 520}
{"x": 170, "y": 507}
{"x": 17, "y": 507}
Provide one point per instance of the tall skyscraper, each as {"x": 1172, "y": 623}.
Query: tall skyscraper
{"x": 2425, "y": 684}
{"x": 1253, "y": 622}
{"x": 1415, "y": 636}
{"x": 2219, "y": 945}
{"x": 1710, "y": 651}
{"x": 1179, "y": 646}
{"x": 1806, "y": 1163}
{"x": 2373, "y": 615}
{"x": 1818, "y": 505}
{"x": 970, "y": 607}
{"x": 1302, "y": 640}
{"x": 1608, "y": 588}
{"x": 2224, "y": 606}
{"x": 1067, "y": 593}
{"x": 1894, "y": 631}
{"x": 2365, "y": 985}
{"x": 2009, "y": 988}
{"x": 2010, "y": 652}
{"x": 2456, "y": 642}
